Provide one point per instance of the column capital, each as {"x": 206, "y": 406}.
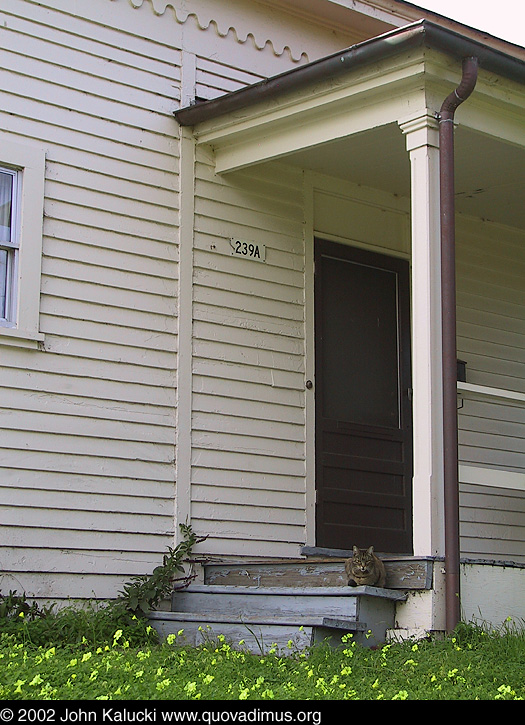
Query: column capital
{"x": 420, "y": 129}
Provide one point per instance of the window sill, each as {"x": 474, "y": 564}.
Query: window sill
{"x": 20, "y": 338}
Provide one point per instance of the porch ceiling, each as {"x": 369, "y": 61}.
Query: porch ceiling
{"x": 489, "y": 173}
{"x": 340, "y": 116}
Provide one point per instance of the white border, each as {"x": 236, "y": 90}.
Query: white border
{"x": 30, "y": 161}
{"x": 483, "y": 476}
{"x": 183, "y": 442}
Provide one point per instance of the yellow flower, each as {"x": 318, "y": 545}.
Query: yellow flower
{"x": 401, "y": 695}
{"x": 162, "y": 685}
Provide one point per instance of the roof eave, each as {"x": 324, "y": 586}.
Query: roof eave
{"x": 422, "y": 33}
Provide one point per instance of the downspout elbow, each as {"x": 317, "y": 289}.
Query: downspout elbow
{"x": 463, "y": 91}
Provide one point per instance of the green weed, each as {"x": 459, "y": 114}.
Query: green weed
{"x": 471, "y": 664}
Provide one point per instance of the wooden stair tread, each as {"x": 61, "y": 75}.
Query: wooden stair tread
{"x": 347, "y": 623}
{"x": 403, "y": 573}
{"x": 295, "y": 591}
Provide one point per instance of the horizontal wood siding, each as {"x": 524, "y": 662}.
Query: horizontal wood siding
{"x": 492, "y": 523}
{"x": 213, "y": 78}
{"x": 248, "y": 391}
{"x": 491, "y": 339}
{"x": 491, "y": 304}
{"x": 87, "y": 425}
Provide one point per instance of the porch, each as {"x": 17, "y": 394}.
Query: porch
{"x": 363, "y": 145}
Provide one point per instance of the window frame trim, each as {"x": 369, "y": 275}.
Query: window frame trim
{"x": 28, "y": 160}
{"x": 12, "y": 247}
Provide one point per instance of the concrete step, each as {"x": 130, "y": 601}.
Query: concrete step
{"x": 289, "y": 618}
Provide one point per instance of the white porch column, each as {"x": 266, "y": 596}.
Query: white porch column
{"x": 422, "y": 142}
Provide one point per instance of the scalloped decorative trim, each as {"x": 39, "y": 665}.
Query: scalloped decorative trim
{"x": 204, "y": 18}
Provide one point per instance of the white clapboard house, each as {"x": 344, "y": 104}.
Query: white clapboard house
{"x": 243, "y": 246}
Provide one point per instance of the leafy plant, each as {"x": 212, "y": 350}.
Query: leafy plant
{"x": 144, "y": 592}
{"x": 490, "y": 666}
{"x": 95, "y": 623}
{"x": 14, "y": 605}
{"x": 82, "y": 626}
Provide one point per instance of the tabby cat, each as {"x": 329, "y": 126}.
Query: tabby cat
{"x": 365, "y": 568}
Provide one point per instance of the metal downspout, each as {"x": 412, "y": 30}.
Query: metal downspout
{"x": 448, "y": 295}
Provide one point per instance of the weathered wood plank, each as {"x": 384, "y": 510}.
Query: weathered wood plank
{"x": 239, "y": 408}
{"x": 132, "y": 469}
{"x": 88, "y": 561}
{"x": 98, "y": 485}
{"x": 118, "y": 542}
{"x": 401, "y": 574}
{"x": 256, "y": 638}
{"x": 74, "y": 520}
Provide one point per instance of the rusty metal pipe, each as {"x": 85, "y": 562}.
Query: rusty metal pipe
{"x": 448, "y": 294}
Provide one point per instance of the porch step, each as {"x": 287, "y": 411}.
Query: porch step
{"x": 289, "y": 618}
{"x": 403, "y": 572}
{"x": 256, "y": 636}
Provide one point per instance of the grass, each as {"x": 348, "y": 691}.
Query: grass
{"x": 89, "y": 655}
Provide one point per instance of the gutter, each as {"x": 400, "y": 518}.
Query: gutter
{"x": 448, "y": 302}
{"x": 424, "y": 33}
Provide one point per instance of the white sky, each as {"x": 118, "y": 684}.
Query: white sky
{"x": 502, "y": 18}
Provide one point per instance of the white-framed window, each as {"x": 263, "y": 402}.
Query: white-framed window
{"x": 22, "y": 171}
{"x": 9, "y": 244}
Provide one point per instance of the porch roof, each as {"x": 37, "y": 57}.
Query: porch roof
{"x": 423, "y": 33}
{"x": 336, "y": 114}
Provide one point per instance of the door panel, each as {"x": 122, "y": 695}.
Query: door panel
{"x": 363, "y": 417}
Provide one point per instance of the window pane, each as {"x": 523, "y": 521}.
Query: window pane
{"x": 6, "y": 196}
{"x": 360, "y": 343}
{"x": 3, "y": 283}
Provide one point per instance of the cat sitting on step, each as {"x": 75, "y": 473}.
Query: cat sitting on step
{"x": 364, "y": 568}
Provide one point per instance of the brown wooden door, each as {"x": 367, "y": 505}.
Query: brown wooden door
{"x": 363, "y": 410}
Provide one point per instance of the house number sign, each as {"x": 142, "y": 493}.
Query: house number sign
{"x": 248, "y": 250}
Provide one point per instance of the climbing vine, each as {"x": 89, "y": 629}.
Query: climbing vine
{"x": 144, "y": 592}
